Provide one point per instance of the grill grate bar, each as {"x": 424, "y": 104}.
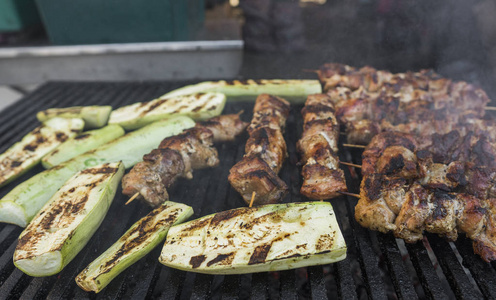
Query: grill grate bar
{"x": 401, "y": 280}
{"x": 201, "y": 288}
{"x": 452, "y": 269}
{"x": 317, "y": 282}
{"x": 367, "y": 258}
{"x": 483, "y": 274}
{"x": 230, "y": 287}
{"x": 288, "y": 285}
{"x": 259, "y": 288}
{"x": 425, "y": 271}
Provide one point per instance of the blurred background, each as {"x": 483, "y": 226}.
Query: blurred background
{"x": 92, "y": 40}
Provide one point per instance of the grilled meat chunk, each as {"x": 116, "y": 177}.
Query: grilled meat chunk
{"x": 440, "y": 196}
{"x": 265, "y": 153}
{"x": 322, "y": 177}
{"x": 224, "y": 128}
{"x": 178, "y": 156}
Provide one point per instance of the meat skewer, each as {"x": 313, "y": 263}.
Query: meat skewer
{"x": 322, "y": 177}
{"x": 446, "y": 187}
{"x": 178, "y": 156}
{"x": 265, "y": 152}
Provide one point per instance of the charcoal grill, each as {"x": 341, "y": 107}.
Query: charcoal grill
{"x": 378, "y": 266}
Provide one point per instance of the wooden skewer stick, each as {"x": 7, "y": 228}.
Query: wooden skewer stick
{"x": 350, "y": 164}
{"x": 349, "y": 194}
{"x": 252, "y": 198}
{"x": 132, "y": 198}
{"x": 490, "y": 108}
{"x": 354, "y": 146}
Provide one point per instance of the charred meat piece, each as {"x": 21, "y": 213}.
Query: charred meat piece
{"x": 380, "y": 202}
{"x": 224, "y": 128}
{"x": 253, "y": 174}
{"x": 178, "y": 156}
{"x": 265, "y": 152}
{"x": 406, "y": 142}
{"x": 322, "y": 177}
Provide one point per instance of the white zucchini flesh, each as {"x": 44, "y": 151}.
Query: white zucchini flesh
{"x": 67, "y": 221}
{"x": 80, "y": 144}
{"x": 248, "y": 240}
{"x": 138, "y": 241}
{"x": 293, "y": 90}
{"x": 94, "y": 116}
{"x": 199, "y": 106}
{"x": 28, "y": 152}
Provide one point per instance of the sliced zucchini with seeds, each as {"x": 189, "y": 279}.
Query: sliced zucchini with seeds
{"x": 25, "y": 154}
{"x": 264, "y": 238}
{"x": 94, "y": 116}
{"x": 80, "y": 144}
{"x": 294, "y": 90}
{"x": 140, "y": 239}
{"x": 199, "y": 106}
{"x": 68, "y": 220}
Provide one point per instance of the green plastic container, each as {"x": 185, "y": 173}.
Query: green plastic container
{"x": 120, "y": 21}
{"x": 16, "y": 15}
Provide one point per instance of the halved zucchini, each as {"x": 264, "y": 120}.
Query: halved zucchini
{"x": 294, "y": 90}
{"x": 264, "y": 238}
{"x": 68, "y": 220}
{"x": 94, "y": 116}
{"x": 199, "y": 106}
{"x": 140, "y": 239}
{"x": 25, "y": 154}
{"x": 80, "y": 144}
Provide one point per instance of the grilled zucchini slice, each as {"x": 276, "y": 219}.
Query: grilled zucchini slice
{"x": 294, "y": 90}
{"x": 94, "y": 116}
{"x": 80, "y": 144}
{"x": 23, "y": 202}
{"x": 67, "y": 221}
{"x": 25, "y": 154}
{"x": 264, "y": 238}
{"x": 138, "y": 241}
{"x": 199, "y": 106}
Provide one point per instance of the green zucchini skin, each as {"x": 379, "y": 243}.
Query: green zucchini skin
{"x": 293, "y": 90}
{"x": 28, "y": 152}
{"x": 199, "y": 106}
{"x": 138, "y": 241}
{"x": 259, "y": 239}
{"x": 22, "y": 203}
{"x": 67, "y": 221}
{"x": 80, "y": 144}
{"x": 94, "y": 116}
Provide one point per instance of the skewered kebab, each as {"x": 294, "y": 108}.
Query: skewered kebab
{"x": 445, "y": 187}
{"x": 178, "y": 156}
{"x": 265, "y": 152}
{"x": 370, "y": 101}
{"x": 322, "y": 177}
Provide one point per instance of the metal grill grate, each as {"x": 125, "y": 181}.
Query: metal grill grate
{"x": 378, "y": 266}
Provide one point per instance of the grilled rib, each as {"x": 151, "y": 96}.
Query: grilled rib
{"x": 178, "y": 156}
{"x": 265, "y": 152}
{"x": 322, "y": 177}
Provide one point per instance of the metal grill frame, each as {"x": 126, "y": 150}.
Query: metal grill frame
{"x": 378, "y": 265}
